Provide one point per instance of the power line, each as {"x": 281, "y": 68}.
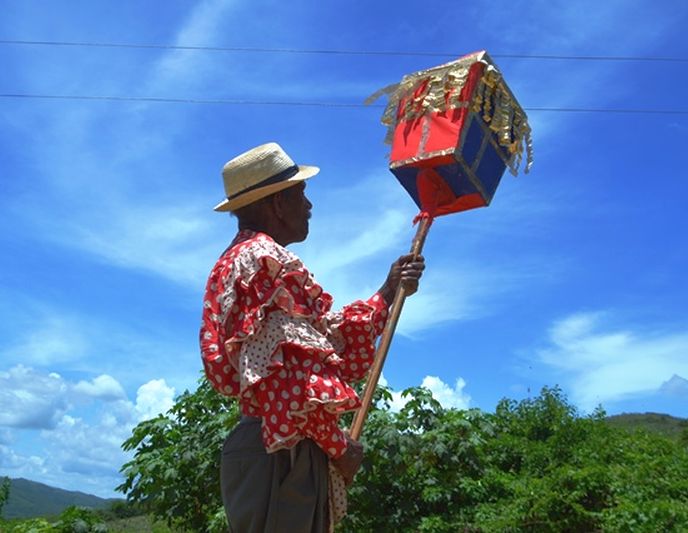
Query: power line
{"x": 337, "y": 52}
{"x": 156, "y": 99}
{"x": 296, "y": 103}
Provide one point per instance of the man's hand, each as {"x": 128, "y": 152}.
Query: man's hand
{"x": 406, "y": 270}
{"x": 349, "y": 463}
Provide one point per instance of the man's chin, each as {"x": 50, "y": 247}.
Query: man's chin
{"x": 301, "y": 237}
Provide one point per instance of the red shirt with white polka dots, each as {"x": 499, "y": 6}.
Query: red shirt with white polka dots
{"x": 268, "y": 336}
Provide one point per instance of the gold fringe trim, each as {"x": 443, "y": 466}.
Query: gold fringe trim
{"x": 438, "y": 89}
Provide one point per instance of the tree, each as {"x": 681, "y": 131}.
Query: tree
{"x": 175, "y": 470}
{"x": 4, "y": 493}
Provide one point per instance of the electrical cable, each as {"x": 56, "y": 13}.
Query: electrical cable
{"x": 337, "y": 52}
{"x": 296, "y": 103}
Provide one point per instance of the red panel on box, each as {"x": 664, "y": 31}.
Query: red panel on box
{"x": 443, "y": 128}
{"x": 446, "y": 127}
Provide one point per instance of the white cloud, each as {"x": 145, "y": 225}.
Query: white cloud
{"x": 17, "y": 465}
{"x": 448, "y": 397}
{"x": 31, "y": 400}
{"x": 36, "y": 400}
{"x": 103, "y": 387}
{"x": 91, "y": 449}
{"x": 153, "y": 398}
{"x": 613, "y": 364}
{"x": 84, "y": 442}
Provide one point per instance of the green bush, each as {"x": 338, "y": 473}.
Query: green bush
{"x": 79, "y": 520}
{"x": 174, "y": 474}
{"x": 34, "y": 525}
{"x": 534, "y": 465}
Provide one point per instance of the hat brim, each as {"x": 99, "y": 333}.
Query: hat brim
{"x": 305, "y": 172}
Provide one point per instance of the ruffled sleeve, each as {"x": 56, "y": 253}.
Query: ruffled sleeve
{"x": 258, "y": 296}
{"x": 353, "y": 332}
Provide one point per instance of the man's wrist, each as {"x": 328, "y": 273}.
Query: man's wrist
{"x": 387, "y": 294}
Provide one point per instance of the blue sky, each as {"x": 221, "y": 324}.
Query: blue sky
{"x": 575, "y": 275}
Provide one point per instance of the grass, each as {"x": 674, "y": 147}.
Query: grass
{"x": 138, "y": 524}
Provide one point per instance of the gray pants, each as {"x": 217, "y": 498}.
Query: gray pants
{"x": 273, "y": 493}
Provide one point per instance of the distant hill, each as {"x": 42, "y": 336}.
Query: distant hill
{"x": 30, "y": 499}
{"x": 667, "y": 425}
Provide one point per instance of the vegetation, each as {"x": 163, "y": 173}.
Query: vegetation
{"x": 4, "y": 493}
{"x": 175, "y": 470}
{"x": 120, "y": 517}
{"x": 534, "y": 465}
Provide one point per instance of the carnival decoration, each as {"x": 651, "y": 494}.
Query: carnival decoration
{"x": 454, "y": 129}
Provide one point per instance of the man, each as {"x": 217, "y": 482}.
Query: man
{"x": 269, "y": 338}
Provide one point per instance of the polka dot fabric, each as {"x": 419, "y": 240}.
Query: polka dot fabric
{"x": 268, "y": 336}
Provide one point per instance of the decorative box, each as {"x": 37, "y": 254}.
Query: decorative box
{"x": 454, "y": 130}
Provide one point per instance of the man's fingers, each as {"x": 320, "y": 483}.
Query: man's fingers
{"x": 414, "y": 270}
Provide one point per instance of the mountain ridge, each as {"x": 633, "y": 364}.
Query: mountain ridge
{"x": 29, "y": 499}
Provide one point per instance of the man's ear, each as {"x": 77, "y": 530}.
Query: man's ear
{"x": 277, "y": 202}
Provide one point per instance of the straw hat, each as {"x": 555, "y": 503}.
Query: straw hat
{"x": 258, "y": 173}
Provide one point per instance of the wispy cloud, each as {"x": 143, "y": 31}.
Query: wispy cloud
{"x": 351, "y": 247}
{"x": 174, "y": 242}
{"x": 577, "y": 29}
{"x": 602, "y": 363}
{"x": 49, "y": 336}
{"x": 87, "y": 174}
{"x": 185, "y": 69}
{"x": 48, "y": 339}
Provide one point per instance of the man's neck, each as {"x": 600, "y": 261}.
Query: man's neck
{"x": 272, "y": 230}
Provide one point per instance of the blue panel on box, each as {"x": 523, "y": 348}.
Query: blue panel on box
{"x": 456, "y": 179}
{"x": 407, "y": 178}
{"x": 472, "y": 140}
{"x": 490, "y": 171}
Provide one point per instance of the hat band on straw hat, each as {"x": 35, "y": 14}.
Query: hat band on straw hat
{"x": 280, "y": 176}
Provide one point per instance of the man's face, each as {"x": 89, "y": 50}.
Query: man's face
{"x": 296, "y": 210}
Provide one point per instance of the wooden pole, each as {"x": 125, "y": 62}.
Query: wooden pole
{"x": 386, "y": 340}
